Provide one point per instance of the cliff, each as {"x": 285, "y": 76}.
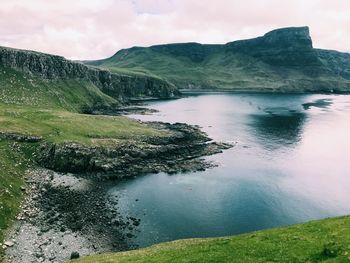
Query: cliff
{"x": 118, "y": 86}
{"x": 337, "y": 62}
{"x": 287, "y": 47}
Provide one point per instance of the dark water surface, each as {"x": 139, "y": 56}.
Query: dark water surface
{"x": 291, "y": 164}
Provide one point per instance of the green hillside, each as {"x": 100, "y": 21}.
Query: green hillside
{"x": 20, "y": 88}
{"x": 282, "y": 60}
{"x": 319, "y": 241}
{"x": 217, "y": 69}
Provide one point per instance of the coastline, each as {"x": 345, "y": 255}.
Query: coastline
{"x": 66, "y": 194}
{"x": 243, "y": 91}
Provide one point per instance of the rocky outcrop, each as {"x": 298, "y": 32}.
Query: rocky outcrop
{"x": 179, "y": 152}
{"x": 117, "y": 86}
{"x": 19, "y": 137}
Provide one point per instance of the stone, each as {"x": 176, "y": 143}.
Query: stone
{"x": 74, "y": 255}
{"x": 9, "y": 243}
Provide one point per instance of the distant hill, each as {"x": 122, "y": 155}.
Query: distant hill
{"x": 282, "y": 60}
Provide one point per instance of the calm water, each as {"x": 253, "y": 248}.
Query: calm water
{"x": 291, "y": 164}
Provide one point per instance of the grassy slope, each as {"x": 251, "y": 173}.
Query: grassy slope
{"x": 13, "y": 163}
{"x": 218, "y": 70}
{"x": 17, "y": 88}
{"x": 319, "y": 241}
{"x": 179, "y": 70}
{"x": 59, "y": 126}
{"x": 33, "y": 106}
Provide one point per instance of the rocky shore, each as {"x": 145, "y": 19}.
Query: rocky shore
{"x": 65, "y": 215}
{"x": 67, "y": 211}
{"x": 178, "y": 152}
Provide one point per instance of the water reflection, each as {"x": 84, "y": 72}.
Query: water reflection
{"x": 274, "y": 131}
{"x": 320, "y": 103}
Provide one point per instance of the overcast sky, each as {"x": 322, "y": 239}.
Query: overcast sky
{"x": 93, "y": 29}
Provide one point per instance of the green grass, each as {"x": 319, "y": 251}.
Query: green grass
{"x": 50, "y": 108}
{"x": 60, "y": 126}
{"x": 13, "y": 163}
{"x": 318, "y": 241}
{"x": 18, "y": 88}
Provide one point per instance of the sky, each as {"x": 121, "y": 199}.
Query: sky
{"x": 95, "y": 29}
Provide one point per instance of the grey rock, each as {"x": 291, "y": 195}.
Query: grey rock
{"x": 9, "y": 243}
{"x": 178, "y": 152}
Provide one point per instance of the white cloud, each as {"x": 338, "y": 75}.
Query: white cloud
{"x": 92, "y": 29}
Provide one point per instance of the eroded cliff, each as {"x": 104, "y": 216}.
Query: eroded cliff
{"x": 118, "y": 86}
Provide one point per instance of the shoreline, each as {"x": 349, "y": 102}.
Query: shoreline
{"x": 66, "y": 207}
{"x": 243, "y": 91}
{"x": 63, "y": 214}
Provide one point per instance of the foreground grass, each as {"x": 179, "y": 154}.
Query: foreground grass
{"x": 14, "y": 160}
{"x": 318, "y": 241}
{"x": 60, "y": 126}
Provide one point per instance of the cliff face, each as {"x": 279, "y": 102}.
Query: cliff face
{"x": 287, "y": 47}
{"x": 337, "y": 62}
{"x": 115, "y": 85}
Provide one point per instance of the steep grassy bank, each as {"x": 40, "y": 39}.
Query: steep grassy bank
{"x": 14, "y": 160}
{"x": 319, "y": 241}
{"x": 24, "y": 89}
